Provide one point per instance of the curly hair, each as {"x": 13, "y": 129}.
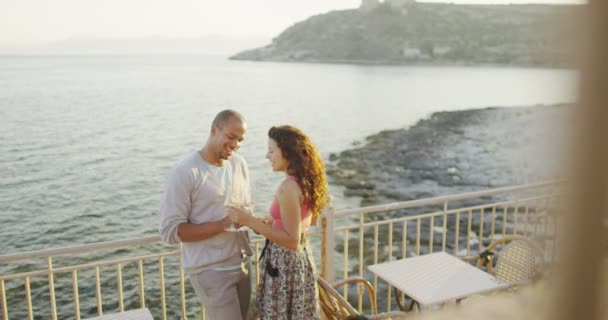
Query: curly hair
{"x": 305, "y": 164}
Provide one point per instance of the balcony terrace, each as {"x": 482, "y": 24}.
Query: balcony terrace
{"x": 97, "y": 279}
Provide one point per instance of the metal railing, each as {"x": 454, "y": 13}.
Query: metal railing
{"x": 459, "y": 224}
{"x": 100, "y": 260}
{"x": 349, "y": 241}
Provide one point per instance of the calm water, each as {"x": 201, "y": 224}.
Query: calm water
{"x": 86, "y": 142}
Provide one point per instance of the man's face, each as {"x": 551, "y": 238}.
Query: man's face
{"x": 227, "y": 138}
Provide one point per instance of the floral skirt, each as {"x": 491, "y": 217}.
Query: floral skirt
{"x": 288, "y": 284}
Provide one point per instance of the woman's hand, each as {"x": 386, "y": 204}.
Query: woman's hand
{"x": 267, "y": 219}
{"x": 239, "y": 216}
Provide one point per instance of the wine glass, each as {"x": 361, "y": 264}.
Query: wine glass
{"x": 232, "y": 227}
{"x": 248, "y": 207}
{"x": 238, "y": 196}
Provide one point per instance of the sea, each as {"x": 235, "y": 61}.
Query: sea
{"x": 87, "y": 142}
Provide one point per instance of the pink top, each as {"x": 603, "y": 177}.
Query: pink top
{"x": 275, "y": 213}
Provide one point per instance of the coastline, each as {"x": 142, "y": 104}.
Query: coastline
{"x": 408, "y": 63}
{"x": 455, "y": 152}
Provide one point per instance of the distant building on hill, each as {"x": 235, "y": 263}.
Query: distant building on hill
{"x": 411, "y": 53}
{"x": 399, "y": 3}
{"x": 368, "y": 5}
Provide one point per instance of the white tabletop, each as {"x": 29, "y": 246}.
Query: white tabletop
{"x": 436, "y": 278}
{"x": 137, "y": 314}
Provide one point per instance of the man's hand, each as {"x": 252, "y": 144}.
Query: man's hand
{"x": 226, "y": 222}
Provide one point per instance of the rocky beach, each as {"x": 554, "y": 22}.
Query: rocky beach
{"x": 455, "y": 152}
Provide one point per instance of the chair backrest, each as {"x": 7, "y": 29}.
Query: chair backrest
{"x": 518, "y": 260}
{"x": 333, "y": 305}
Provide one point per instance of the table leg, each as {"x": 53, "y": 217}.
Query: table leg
{"x": 401, "y": 297}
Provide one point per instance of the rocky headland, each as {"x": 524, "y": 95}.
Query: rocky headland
{"x": 455, "y": 152}
{"x": 407, "y": 32}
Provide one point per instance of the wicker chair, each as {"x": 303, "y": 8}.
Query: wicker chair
{"x": 335, "y": 307}
{"x": 512, "y": 259}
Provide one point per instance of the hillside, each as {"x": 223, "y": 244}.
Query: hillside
{"x": 430, "y": 33}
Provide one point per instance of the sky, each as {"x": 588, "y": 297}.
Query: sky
{"x": 28, "y": 22}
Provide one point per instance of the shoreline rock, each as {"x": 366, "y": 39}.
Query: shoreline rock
{"x": 454, "y": 152}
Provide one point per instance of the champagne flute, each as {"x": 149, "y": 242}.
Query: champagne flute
{"x": 232, "y": 227}
{"x": 248, "y": 207}
{"x": 238, "y": 196}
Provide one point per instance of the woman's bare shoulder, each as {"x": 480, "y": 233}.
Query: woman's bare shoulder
{"x": 289, "y": 187}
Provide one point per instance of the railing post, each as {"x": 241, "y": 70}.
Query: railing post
{"x": 52, "y": 288}
{"x": 327, "y": 244}
{"x": 76, "y": 297}
{"x": 121, "y": 305}
{"x": 163, "y": 303}
{"x": 142, "y": 292}
{"x": 445, "y": 226}
{"x": 3, "y": 301}
{"x": 182, "y": 287}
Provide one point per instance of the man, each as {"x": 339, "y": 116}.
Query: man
{"x": 193, "y": 212}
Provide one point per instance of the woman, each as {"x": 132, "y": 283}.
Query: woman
{"x": 287, "y": 287}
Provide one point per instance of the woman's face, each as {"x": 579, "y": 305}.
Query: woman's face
{"x": 277, "y": 161}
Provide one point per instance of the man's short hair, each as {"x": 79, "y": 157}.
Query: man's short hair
{"x": 225, "y": 115}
